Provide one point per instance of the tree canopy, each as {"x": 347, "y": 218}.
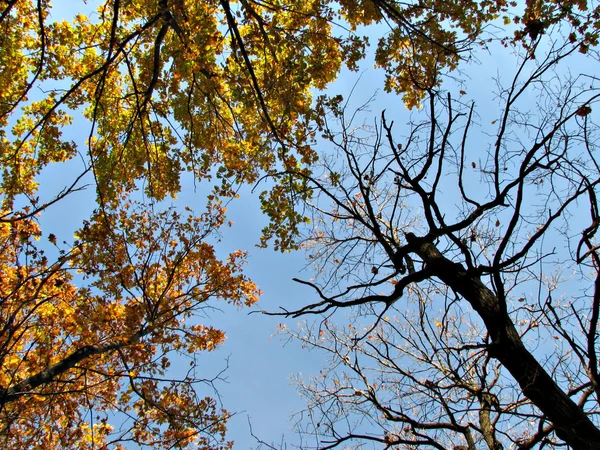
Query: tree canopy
{"x": 131, "y": 98}
{"x": 134, "y": 98}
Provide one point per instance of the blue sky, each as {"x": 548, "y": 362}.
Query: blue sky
{"x": 257, "y": 385}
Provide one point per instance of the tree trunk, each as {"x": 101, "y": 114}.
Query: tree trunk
{"x": 571, "y": 424}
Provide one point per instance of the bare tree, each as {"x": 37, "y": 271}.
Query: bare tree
{"x": 465, "y": 255}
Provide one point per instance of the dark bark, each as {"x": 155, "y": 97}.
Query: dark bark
{"x": 570, "y": 422}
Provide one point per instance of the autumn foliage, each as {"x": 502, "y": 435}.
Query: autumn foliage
{"x": 132, "y": 98}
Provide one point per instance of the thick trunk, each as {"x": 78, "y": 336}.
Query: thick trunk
{"x": 570, "y": 422}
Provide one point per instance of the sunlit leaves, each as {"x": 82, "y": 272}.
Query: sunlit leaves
{"x": 149, "y": 272}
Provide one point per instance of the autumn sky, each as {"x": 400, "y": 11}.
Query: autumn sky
{"x": 257, "y": 383}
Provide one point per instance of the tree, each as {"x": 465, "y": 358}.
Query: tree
{"x": 166, "y": 93}
{"x": 465, "y": 251}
